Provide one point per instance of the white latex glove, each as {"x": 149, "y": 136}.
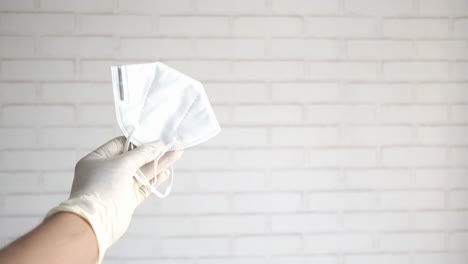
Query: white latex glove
{"x": 104, "y": 191}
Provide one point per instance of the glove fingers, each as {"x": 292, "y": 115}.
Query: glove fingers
{"x": 144, "y": 192}
{"x": 166, "y": 161}
{"x": 112, "y": 148}
{"x": 143, "y": 154}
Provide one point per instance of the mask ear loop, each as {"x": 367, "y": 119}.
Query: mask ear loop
{"x": 141, "y": 178}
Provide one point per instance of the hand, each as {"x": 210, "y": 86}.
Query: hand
{"x": 104, "y": 191}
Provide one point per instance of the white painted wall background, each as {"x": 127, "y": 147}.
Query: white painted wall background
{"x": 345, "y": 125}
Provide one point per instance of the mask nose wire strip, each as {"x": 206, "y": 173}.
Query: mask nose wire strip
{"x": 141, "y": 178}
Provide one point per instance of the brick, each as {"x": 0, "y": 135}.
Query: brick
{"x": 14, "y": 138}
{"x": 386, "y": 7}
{"x": 17, "y": 92}
{"x": 262, "y": 245}
{"x": 204, "y": 70}
{"x": 412, "y": 241}
{"x": 445, "y": 8}
{"x": 270, "y": 26}
{"x": 415, "y": 71}
{"x": 377, "y": 258}
{"x": 338, "y": 114}
{"x": 76, "y": 137}
{"x": 194, "y": 204}
{"x": 239, "y": 137}
{"x": 58, "y": 181}
{"x": 115, "y": 25}
{"x": 205, "y": 159}
{"x": 442, "y": 92}
{"x": 267, "y": 114}
{"x": 305, "y": 259}
{"x": 305, "y": 48}
{"x": 155, "y": 6}
{"x": 459, "y": 71}
{"x": 442, "y": 49}
{"x": 125, "y": 248}
{"x": 304, "y": 179}
{"x": 96, "y": 115}
{"x": 458, "y": 156}
{"x": 17, "y": 5}
{"x": 365, "y": 71}
{"x": 231, "y": 7}
{"x": 269, "y": 70}
{"x": 458, "y": 241}
{"x": 452, "y": 135}
{"x": 233, "y": 260}
{"x": 458, "y": 114}
{"x": 162, "y": 226}
{"x": 378, "y": 92}
{"x": 303, "y": 223}
{"x": 376, "y": 221}
{"x": 16, "y": 47}
{"x": 458, "y": 199}
{"x": 76, "y": 92}
{"x": 96, "y": 70}
{"x": 223, "y": 113}
{"x": 416, "y": 27}
{"x": 304, "y": 136}
{"x": 187, "y": 247}
{"x": 32, "y": 160}
{"x": 338, "y": 201}
{"x": 337, "y": 243}
{"x": 37, "y": 23}
{"x": 17, "y": 226}
{"x": 268, "y": 158}
{"x": 223, "y": 92}
{"x": 377, "y": 178}
{"x": 31, "y": 205}
{"x": 380, "y": 49}
{"x": 347, "y": 158}
{"x": 156, "y": 48}
{"x": 412, "y": 200}
{"x": 440, "y": 258}
{"x": 227, "y": 181}
{"x": 461, "y": 27}
{"x": 264, "y": 203}
{"x": 193, "y": 26}
{"x": 414, "y": 156}
{"x": 19, "y": 182}
{"x": 376, "y": 135}
{"x": 232, "y": 224}
{"x": 231, "y": 48}
{"x": 341, "y": 27}
{"x": 440, "y": 220}
{"x": 24, "y": 115}
{"x": 37, "y": 70}
{"x": 81, "y": 47}
{"x": 73, "y": 6}
{"x": 292, "y": 92}
{"x": 306, "y": 7}
{"x": 440, "y": 178}
{"x": 411, "y": 114}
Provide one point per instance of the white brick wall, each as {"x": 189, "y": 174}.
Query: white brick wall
{"x": 345, "y": 125}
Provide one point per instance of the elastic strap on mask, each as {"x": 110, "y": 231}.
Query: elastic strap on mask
{"x": 141, "y": 178}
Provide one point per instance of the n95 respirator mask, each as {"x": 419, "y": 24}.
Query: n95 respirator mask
{"x": 155, "y": 102}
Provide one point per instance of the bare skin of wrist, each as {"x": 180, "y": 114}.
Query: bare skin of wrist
{"x": 61, "y": 238}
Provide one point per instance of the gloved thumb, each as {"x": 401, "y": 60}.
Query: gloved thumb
{"x": 144, "y": 154}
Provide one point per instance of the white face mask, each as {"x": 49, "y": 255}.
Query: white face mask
{"x": 155, "y": 102}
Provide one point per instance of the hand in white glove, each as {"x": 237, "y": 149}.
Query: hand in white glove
{"x": 104, "y": 191}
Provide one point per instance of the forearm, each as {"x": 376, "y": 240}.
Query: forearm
{"x": 61, "y": 238}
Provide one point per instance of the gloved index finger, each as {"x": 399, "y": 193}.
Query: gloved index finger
{"x": 111, "y": 148}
